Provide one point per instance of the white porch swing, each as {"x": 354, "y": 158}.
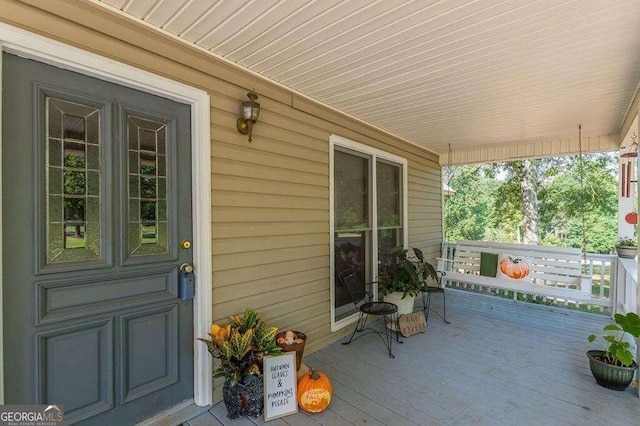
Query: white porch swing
{"x": 552, "y": 272}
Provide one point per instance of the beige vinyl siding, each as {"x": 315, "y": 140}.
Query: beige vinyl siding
{"x": 270, "y": 198}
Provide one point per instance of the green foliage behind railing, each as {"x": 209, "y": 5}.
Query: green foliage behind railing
{"x": 488, "y": 203}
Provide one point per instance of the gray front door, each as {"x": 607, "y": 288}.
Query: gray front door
{"x": 96, "y": 201}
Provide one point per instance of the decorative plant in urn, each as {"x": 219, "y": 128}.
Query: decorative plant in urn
{"x": 400, "y": 275}
{"x": 241, "y": 346}
{"x": 403, "y": 277}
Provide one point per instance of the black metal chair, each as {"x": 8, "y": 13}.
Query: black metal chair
{"x": 357, "y": 291}
{"x": 428, "y": 290}
{"x": 428, "y": 274}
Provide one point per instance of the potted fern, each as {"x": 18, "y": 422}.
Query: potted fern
{"x": 241, "y": 347}
{"x": 614, "y": 366}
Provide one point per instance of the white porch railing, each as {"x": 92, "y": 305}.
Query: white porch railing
{"x": 602, "y": 267}
{"x": 625, "y": 292}
{"x": 615, "y": 280}
{"x": 626, "y": 297}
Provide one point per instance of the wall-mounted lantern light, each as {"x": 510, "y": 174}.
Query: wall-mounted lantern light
{"x": 249, "y": 111}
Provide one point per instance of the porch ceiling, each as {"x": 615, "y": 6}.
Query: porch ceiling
{"x": 468, "y": 73}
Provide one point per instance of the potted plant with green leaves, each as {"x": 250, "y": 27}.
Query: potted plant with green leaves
{"x": 627, "y": 248}
{"x": 426, "y": 270}
{"x": 402, "y": 279}
{"x": 614, "y": 366}
{"x": 241, "y": 347}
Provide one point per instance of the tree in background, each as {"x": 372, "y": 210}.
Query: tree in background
{"x": 527, "y": 176}
{"x": 491, "y": 202}
{"x": 467, "y": 211}
{"x": 514, "y": 211}
{"x": 505, "y": 217}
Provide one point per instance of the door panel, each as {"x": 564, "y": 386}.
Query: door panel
{"x": 96, "y": 195}
{"x": 150, "y": 334}
{"x": 59, "y": 300}
{"x": 81, "y": 357}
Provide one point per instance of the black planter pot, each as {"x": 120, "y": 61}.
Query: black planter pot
{"x": 610, "y": 376}
{"x": 244, "y": 398}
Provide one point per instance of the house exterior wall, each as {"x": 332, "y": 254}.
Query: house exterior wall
{"x": 270, "y": 198}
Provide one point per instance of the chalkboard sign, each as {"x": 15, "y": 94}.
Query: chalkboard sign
{"x": 280, "y": 385}
{"x": 412, "y": 324}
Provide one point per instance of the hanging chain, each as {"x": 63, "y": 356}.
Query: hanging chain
{"x": 582, "y": 197}
{"x": 449, "y": 165}
{"x": 449, "y": 175}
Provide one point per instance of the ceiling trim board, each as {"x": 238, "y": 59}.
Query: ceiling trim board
{"x": 532, "y": 149}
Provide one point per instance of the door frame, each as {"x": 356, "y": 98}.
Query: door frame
{"x": 32, "y": 46}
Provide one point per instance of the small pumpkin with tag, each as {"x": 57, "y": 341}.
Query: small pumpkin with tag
{"x": 314, "y": 392}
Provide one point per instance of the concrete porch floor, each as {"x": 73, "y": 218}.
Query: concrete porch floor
{"x": 499, "y": 362}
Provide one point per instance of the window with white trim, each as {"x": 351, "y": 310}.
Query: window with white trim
{"x": 368, "y": 215}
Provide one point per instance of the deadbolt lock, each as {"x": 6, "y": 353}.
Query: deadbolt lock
{"x": 186, "y": 244}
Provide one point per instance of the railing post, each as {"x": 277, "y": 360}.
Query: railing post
{"x": 633, "y": 295}
{"x": 629, "y": 293}
{"x": 626, "y": 291}
{"x": 637, "y": 311}
{"x": 638, "y": 360}
{"x": 606, "y": 272}
{"x": 615, "y": 286}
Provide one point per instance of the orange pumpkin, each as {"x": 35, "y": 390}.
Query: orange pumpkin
{"x": 514, "y": 267}
{"x": 314, "y": 392}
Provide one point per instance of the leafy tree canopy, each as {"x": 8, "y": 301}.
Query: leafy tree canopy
{"x": 487, "y": 202}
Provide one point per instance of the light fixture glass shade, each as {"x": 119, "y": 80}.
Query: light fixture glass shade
{"x": 249, "y": 110}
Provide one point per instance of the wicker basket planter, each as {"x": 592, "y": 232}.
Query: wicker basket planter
{"x": 298, "y": 348}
